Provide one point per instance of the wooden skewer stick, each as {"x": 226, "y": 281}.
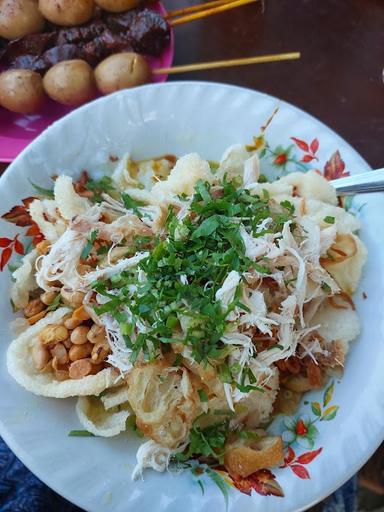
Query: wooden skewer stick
{"x": 227, "y": 63}
{"x": 196, "y": 8}
{"x": 209, "y": 12}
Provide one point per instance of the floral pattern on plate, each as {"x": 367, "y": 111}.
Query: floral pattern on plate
{"x": 297, "y": 431}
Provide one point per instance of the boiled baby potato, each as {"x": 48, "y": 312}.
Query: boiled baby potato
{"x": 121, "y": 71}
{"x": 19, "y": 18}
{"x": 67, "y": 12}
{"x": 70, "y": 82}
{"x": 21, "y": 90}
{"x": 117, "y": 5}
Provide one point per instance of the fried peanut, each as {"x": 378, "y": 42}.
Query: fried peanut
{"x": 99, "y": 352}
{"x": 59, "y": 352}
{"x": 72, "y": 323}
{"x": 71, "y": 298}
{"x": 35, "y": 318}
{"x": 96, "y": 334}
{"x": 81, "y": 314}
{"x": 34, "y": 307}
{"x": 67, "y": 343}
{"x": 80, "y": 351}
{"x": 61, "y": 375}
{"x": 48, "y": 297}
{"x": 80, "y": 368}
{"x": 59, "y": 366}
{"x": 79, "y": 335}
{"x": 40, "y": 356}
{"x": 77, "y": 318}
{"x": 53, "y": 333}
{"x": 48, "y": 367}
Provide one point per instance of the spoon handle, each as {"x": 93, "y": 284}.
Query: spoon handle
{"x": 372, "y": 181}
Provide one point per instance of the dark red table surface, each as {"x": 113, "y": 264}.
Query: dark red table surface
{"x": 338, "y": 78}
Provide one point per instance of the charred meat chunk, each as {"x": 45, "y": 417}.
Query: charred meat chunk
{"x": 147, "y": 29}
{"x": 79, "y": 35}
{"x": 33, "y": 44}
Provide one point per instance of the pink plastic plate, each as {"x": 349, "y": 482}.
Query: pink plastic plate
{"x": 17, "y": 131}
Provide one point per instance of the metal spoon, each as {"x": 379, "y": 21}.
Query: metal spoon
{"x": 372, "y": 181}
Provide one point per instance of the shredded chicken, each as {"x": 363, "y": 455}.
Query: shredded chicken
{"x": 46, "y": 215}
{"x": 286, "y": 335}
{"x": 61, "y": 263}
{"x": 154, "y": 456}
{"x": 251, "y": 170}
{"x": 226, "y": 293}
{"x": 67, "y": 201}
{"x": 120, "y": 356}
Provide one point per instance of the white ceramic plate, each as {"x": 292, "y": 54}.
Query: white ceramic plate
{"x": 177, "y": 118}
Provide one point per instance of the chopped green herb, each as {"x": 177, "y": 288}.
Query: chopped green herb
{"x": 131, "y": 204}
{"x": 178, "y": 360}
{"x": 220, "y": 482}
{"x": 55, "y": 304}
{"x": 347, "y": 202}
{"x": 288, "y": 206}
{"x": 329, "y": 220}
{"x": 276, "y": 345}
{"x": 202, "y": 189}
{"x": 98, "y": 187}
{"x": 131, "y": 424}
{"x": 88, "y": 246}
{"x": 224, "y": 373}
{"x": 102, "y": 250}
{"x": 261, "y": 268}
{"x": 80, "y": 433}
{"x": 248, "y": 374}
{"x": 262, "y": 179}
{"x": 142, "y": 242}
{"x": 265, "y": 194}
{"x": 208, "y": 442}
{"x": 13, "y": 266}
{"x": 326, "y": 288}
{"x": 248, "y": 434}
{"x": 203, "y": 395}
{"x": 45, "y": 192}
{"x": 206, "y": 228}
{"x": 14, "y": 308}
{"x": 214, "y": 165}
{"x": 248, "y": 388}
{"x": 201, "y": 485}
{"x": 171, "y": 321}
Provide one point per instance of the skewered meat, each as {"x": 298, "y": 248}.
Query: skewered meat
{"x": 80, "y": 34}
{"x": 34, "y": 44}
{"x": 48, "y": 59}
{"x": 140, "y": 30}
{"x": 146, "y": 28}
